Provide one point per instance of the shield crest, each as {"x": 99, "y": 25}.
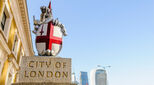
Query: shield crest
{"x": 49, "y": 39}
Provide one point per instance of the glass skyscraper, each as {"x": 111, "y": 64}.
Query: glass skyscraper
{"x": 98, "y": 77}
{"x": 83, "y": 78}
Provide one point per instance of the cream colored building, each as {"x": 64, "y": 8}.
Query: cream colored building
{"x": 15, "y": 38}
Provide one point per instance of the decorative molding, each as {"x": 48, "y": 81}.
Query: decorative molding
{"x": 3, "y": 58}
{"x": 21, "y": 16}
{"x": 15, "y": 53}
{"x": 7, "y": 26}
{"x": 4, "y": 45}
{"x": 9, "y": 69}
{"x": 25, "y": 19}
{"x": 3, "y": 55}
{"x": 8, "y": 20}
{"x": 16, "y": 15}
{"x": 15, "y": 64}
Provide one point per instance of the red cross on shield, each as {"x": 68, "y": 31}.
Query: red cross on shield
{"x": 49, "y": 37}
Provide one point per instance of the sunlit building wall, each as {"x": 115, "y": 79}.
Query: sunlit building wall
{"x": 15, "y": 38}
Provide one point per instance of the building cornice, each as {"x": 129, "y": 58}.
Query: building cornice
{"x": 25, "y": 21}
{"x": 21, "y": 16}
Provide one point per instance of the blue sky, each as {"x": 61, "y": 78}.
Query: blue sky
{"x": 119, "y": 33}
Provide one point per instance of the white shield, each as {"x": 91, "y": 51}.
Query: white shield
{"x": 48, "y": 43}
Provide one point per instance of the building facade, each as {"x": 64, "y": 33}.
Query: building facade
{"x": 98, "y": 77}
{"x": 83, "y": 78}
{"x": 15, "y": 38}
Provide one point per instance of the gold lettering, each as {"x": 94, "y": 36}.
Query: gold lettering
{"x": 36, "y": 64}
{"x": 33, "y": 74}
{"x": 65, "y": 74}
{"x": 49, "y": 74}
{"x": 41, "y": 74}
{"x": 25, "y": 74}
{"x": 57, "y": 74}
{"x": 41, "y": 62}
{"x": 48, "y": 64}
{"x": 64, "y": 64}
{"x": 58, "y": 64}
{"x": 31, "y": 63}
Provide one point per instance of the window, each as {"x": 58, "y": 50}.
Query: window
{"x": 15, "y": 46}
{"x": 3, "y": 20}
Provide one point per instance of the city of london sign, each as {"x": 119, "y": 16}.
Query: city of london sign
{"x": 49, "y": 33}
{"x": 42, "y": 69}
